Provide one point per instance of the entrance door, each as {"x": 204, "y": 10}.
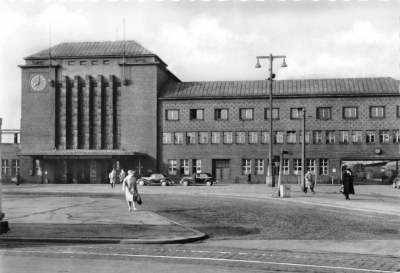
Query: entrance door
{"x": 221, "y": 169}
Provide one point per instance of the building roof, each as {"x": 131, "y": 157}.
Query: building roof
{"x": 91, "y": 49}
{"x": 309, "y": 87}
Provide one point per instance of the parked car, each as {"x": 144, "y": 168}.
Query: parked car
{"x": 156, "y": 179}
{"x": 201, "y": 178}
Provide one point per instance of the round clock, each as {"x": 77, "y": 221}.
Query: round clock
{"x": 38, "y": 83}
{"x": 378, "y": 151}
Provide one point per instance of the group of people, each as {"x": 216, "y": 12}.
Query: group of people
{"x": 129, "y": 186}
{"x": 346, "y": 188}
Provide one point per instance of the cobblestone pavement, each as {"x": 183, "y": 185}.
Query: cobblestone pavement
{"x": 265, "y": 260}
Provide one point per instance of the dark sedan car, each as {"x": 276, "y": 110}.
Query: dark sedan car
{"x": 156, "y": 179}
{"x": 201, "y": 178}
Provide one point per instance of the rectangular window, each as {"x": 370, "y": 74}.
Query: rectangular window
{"x": 285, "y": 166}
{"x": 396, "y": 136}
{"x": 166, "y": 139}
{"x": 190, "y": 138}
{"x": 4, "y": 166}
{"x": 259, "y": 167}
{"x": 221, "y": 114}
{"x": 138, "y": 167}
{"x": 350, "y": 112}
{"x": 377, "y": 112}
{"x": 297, "y": 166}
{"x": 196, "y": 114}
{"x": 71, "y": 63}
{"x": 275, "y": 113}
{"x": 83, "y": 62}
{"x": 246, "y": 166}
{"x": 246, "y": 113}
{"x": 172, "y": 166}
{"x": 307, "y": 137}
{"x": 196, "y": 166}
{"x": 323, "y": 113}
{"x": 370, "y": 136}
{"x": 253, "y": 137}
{"x": 39, "y": 63}
{"x": 310, "y": 165}
{"x": 215, "y": 137}
{"x": 384, "y": 136}
{"x": 172, "y": 115}
{"x": 291, "y": 136}
{"x": 323, "y": 166}
{"x": 38, "y": 167}
{"x": 227, "y": 137}
{"x": 15, "y": 166}
{"x": 106, "y": 62}
{"x": 264, "y": 137}
{"x": 296, "y": 113}
{"x": 95, "y": 62}
{"x": 203, "y": 137}
{"x": 357, "y": 136}
{"x": 330, "y": 137}
{"x": 240, "y": 138}
{"x": 184, "y": 168}
{"x": 278, "y": 137}
{"x": 317, "y": 137}
{"x": 178, "y": 138}
{"x": 343, "y": 136}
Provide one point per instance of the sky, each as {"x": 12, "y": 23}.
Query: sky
{"x": 209, "y": 40}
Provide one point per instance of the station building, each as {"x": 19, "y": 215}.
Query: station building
{"x": 9, "y": 150}
{"x": 90, "y": 107}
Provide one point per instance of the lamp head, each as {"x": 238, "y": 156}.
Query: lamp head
{"x": 284, "y": 63}
{"x": 258, "y": 64}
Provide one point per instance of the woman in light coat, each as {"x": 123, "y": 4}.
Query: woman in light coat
{"x": 309, "y": 182}
{"x": 130, "y": 188}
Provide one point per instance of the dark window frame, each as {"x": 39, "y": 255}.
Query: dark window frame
{"x": 166, "y": 114}
{"x": 324, "y": 118}
{"x": 383, "y": 112}
{"x": 266, "y": 113}
{"x": 298, "y": 109}
{"x": 193, "y": 114}
{"x": 344, "y": 112}
{"x": 218, "y": 110}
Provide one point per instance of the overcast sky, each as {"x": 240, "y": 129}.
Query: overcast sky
{"x": 210, "y": 40}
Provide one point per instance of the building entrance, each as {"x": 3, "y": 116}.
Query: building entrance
{"x": 82, "y": 171}
{"x": 221, "y": 169}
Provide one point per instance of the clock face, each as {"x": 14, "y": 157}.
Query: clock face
{"x": 38, "y": 83}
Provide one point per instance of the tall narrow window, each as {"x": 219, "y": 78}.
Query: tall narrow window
{"x": 370, "y": 136}
{"x": 264, "y": 137}
{"x": 317, "y": 137}
{"x": 323, "y": 166}
{"x": 221, "y": 114}
{"x": 259, "y": 166}
{"x": 291, "y": 136}
{"x": 285, "y": 166}
{"x": 197, "y": 114}
{"x": 203, "y": 137}
{"x": 330, "y": 137}
{"x": 4, "y": 166}
{"x": 215, "y": 137}
{"x": 38, "y": 167}
{"x": 138, "y": 167}
{"x": 166, "y": 138}
{"x": 384, "y": 136}
{"x": 253, "y": 137}
{"x": 190, "y": 138}
{"x": 357, "y": 136}
{"x": 246, "y": 166}
{"x": 246, "y": 113}
{"x": 396, "y": 136}
{"x": 15, "y": 166}
{"x": 343, "y": 136}
{"x": 196, "y": 163}
{"x": 178, "y": 139}
{"x": 172, "y": 166}
{"x": 297, "y": 166}
{"x": 227, "y": 137}
{"x": 240, "y": 137}
{"x": 278, "y": 137}
{"x": 310, "y": 165}
{"x": 184, "y": 168}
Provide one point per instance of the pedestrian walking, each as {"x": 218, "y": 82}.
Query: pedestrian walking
{"x": 309, "y": 182}
{"x": 249, "y": 178}
{"x": 194, "y": 178}
{"x": 347, "y": 187}
{"x": 122, "y": 176}
{"x": 130, "y": 188}
{"x": 113, "y": 178}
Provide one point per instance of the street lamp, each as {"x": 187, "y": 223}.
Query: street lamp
{"x": 270, "y": 178}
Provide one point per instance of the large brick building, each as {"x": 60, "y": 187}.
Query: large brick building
{"x": 91, "y": 107}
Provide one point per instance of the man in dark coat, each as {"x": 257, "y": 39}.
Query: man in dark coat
{"x": 348, "y": 187}
{"x": 194, "y": 178}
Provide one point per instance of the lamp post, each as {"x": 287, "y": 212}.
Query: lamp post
{"x": 303, "y": 151}
{"x": 270, "y": 178}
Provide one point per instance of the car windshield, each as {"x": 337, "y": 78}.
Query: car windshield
{"x": 157, "y": 176}
{"x": 204, "y": 175}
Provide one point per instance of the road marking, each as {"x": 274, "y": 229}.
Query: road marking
{"x": 213, "y": 259}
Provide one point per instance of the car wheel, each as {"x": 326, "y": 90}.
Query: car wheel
{"x": 185, "y": 183}
{"x": 141, "y": 183}
{"x": 209, "y": 183}
{"x": 164, "y": 183}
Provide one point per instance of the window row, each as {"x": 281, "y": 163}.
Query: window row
{"x": 292, "y": 137}
{"x": 295, "y": 113}
{"x": 9, "y": 167}
{"x": 183, "y": 166}
{"x": 95, "y": 62}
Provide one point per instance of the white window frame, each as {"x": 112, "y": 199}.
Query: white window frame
{"x": 215, "y": 137}
{"x": 310, "y": 165}
{"x": 172, "y": 168}
{"x": 265, "y": 137}
{"x": 166, "y": 138}
{"x": 246, "y": 166}
{"x": 278, "y": 137}
{"x": 350, "y": 112}
{"x": 227, "y": 137}
{"x": 203, "y": 137}
{"x": 178, "y": 138}
{"x": 197, "y": 114}
{"x": 323, "y": 166}
{"x": 307, "y": 138}
{"x": 259, "y": 167}
{"x": 384, "y": 136}
{"x": 357, "y": 136}
{"x": 324, "y": 113}
{"x": 291, "y": 137}
{"x": 246, "y": 113}
{"x": 138, "y": 166}
{"x": 330, "y": 136}
{"x": 5, "y": 166}
{"x": 370, "y": 136}
{"x": 221, "y": 114}
{"x": 317, "y": 136}
{"x": 275, "y": 113}
{"x": 253, "y": 137}
{"x": 172, "y": 114}
{"x": 196, "y": 165}
{"x": 377, "y": 111}
{"x": 296, "y": 113}
{"x": 297, "y": 166}
{"x": 396, "y": 136}
{"x": 343, "y": 136}
{"x": 190, "y": 138}
{"x": 240, "y": 137}
{"x": 285, "y": 166}
{"x": 15, "y": 167}
{"x": 184, "y": 167}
